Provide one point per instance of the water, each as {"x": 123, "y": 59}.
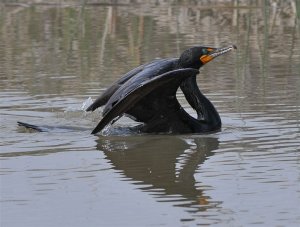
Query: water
{"x": 53, "y": 57}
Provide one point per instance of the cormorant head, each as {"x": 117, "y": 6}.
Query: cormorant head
{"x": 198, "y": 56}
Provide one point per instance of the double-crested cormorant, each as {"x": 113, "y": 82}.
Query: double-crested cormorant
{"x": 147, "y": 94}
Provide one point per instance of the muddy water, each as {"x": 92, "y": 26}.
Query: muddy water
{"x": 53, "y": 57}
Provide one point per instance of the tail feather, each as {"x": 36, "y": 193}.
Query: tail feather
{"x": 30, "y": 126}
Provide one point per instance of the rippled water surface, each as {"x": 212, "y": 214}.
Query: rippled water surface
{"x": 53, "y": 57}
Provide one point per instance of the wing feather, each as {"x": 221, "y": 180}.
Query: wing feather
{"x": 127, "y": 96}
{"x": 105, "y": 96}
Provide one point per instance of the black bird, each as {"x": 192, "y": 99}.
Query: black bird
{"x": 147, "y": 94}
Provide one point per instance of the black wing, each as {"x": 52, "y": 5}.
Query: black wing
{"x": 126, "y": 97}
{"x": 105, "y": 96}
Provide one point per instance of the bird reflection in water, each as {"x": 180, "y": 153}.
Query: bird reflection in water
{"x": 164, "y": 166}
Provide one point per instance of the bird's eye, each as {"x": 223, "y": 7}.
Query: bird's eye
{"x": 204, "y": 51}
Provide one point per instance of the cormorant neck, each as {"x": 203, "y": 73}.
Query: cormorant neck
{"x": 208, "y": 117}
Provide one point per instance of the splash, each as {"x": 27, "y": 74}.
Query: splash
{"x": 79, "y": 107}
{"x": 86, "y": 103}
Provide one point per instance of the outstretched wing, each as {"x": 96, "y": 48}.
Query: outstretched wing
{"x": 105, "y": 96}
{"x": 127, "y": 96}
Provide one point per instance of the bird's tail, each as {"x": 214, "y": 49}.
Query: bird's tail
{"x": 30, "y": 126}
